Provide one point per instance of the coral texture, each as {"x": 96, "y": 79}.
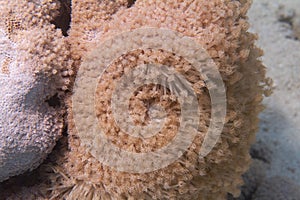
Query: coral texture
{"x": 221, "y": 28}
{"x": 35, "y": 65}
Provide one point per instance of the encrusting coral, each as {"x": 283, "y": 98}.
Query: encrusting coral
{"x": 220, "y": 27}
{"x": 34, "y": 71}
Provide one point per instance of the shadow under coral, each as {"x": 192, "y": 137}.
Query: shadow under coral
{"x": 34, "y": 184}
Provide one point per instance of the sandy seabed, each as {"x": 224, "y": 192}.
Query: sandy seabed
{"x": 276, "y": 23}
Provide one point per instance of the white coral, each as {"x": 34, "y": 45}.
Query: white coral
{"x": 34, "y": 66}
{"x": 29, "y": 127}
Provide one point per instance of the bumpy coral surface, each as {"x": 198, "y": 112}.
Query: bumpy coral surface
{"x": 34, "y": 62}
{"x": 29, "y": 126}
{"x": 221, "y": 28}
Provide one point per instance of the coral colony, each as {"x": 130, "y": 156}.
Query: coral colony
{"x": 39, "y": 66}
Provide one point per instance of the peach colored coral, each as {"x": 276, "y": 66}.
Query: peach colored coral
{"x": 219, "y": 26}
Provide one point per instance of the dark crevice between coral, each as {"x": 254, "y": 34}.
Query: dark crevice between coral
{"x": 63, "y": 19}
{"x": 54, "y": 101}
{"x": 130, "y": 3}
{"x": 17, "y": 183}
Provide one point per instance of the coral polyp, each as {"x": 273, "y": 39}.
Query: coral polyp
{"x": 165, "y": 101}
{"x": 221, "y": 28}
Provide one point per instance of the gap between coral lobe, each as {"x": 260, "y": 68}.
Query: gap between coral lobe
{"x": 54, "y": 101}
{"x": 63, "y": 19}
{"x": 130, "y": 3}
